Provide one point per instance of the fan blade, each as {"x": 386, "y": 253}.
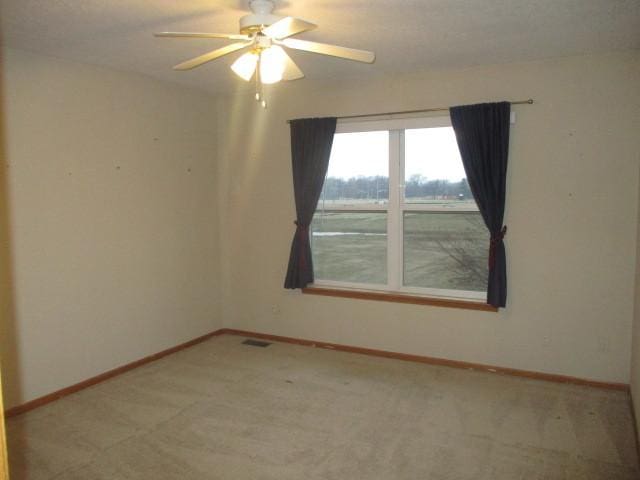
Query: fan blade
{"x": 291, "y": 70}
{"x": 230, "y": 36}
{"x": 207, "y": 57}
{"x": 287, "y": 27}
{"x": 333, "y": 50}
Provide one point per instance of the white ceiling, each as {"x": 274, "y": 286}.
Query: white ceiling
{"x": 406, "y": 35}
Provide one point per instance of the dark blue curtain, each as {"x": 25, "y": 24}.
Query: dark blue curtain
{"x": 311, "y": 141}
{"x": 482, "y": 132}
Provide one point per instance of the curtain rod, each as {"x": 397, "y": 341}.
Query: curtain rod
{"x": 424, "y": 110}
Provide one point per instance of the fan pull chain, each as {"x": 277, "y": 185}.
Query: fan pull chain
{"x": 259, "y": 88}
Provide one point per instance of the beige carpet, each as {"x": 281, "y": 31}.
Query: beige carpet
{"x": 223, "y": 410}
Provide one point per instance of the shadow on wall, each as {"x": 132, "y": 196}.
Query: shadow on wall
{"x": 8, "y": 331}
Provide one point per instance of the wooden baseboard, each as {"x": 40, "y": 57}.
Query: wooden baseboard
{"x": 433, "y": 360}
{"x": 25, "y": 407}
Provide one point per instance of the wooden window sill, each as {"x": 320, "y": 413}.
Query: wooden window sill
{"x": 400, "y": 298}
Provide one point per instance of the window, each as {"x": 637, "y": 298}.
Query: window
{"x": 396, "y": 213}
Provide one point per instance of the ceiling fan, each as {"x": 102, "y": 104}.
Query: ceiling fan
{"x": 264, "y": 34}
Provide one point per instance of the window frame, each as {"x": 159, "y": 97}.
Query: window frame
{"x": 395, "y": 209}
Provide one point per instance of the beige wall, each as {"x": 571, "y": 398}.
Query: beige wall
{"x": 113, "y": 215}
{"x": 572, "y": 189}
{"x": 635, "y": 339}
{"x": 6, "y": 296}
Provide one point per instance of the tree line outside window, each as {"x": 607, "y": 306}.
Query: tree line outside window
{"x": 377, "y": 187}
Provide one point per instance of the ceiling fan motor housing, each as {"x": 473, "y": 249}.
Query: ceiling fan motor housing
{"x": 261, "y": 16}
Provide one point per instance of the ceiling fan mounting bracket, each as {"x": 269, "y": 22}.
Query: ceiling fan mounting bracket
{"x": 261, "y": 16}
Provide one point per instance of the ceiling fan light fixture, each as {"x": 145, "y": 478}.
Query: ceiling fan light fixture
{"x": 245, "y": 65}
{"x": 262, "y": 35}
{"x": 272, "y": 64}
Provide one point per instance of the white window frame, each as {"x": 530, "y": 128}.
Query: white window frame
{"x": 395, "y": 209}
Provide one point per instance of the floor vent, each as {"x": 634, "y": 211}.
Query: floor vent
{"x": 255, "y": 343}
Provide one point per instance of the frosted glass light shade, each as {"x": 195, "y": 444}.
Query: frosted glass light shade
{"x": 245, "y": 65}
{"x": 272, "y": 63}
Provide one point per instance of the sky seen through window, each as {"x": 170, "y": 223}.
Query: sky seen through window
{"x": 429, "y": 152}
